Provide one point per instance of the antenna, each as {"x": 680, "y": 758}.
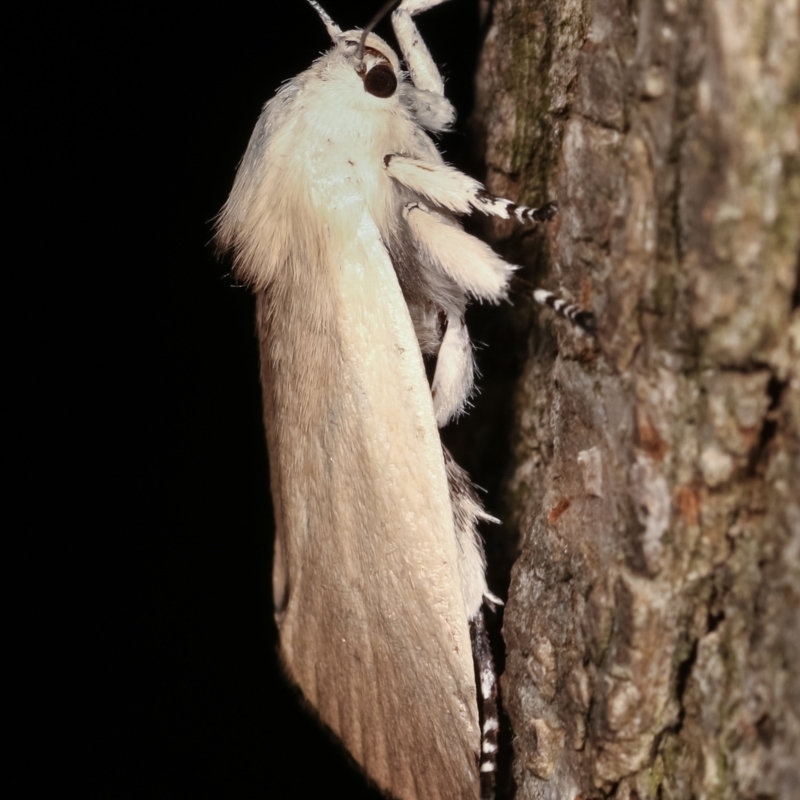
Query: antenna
{"x": 385, "y": 9}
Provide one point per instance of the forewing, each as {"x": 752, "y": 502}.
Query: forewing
{"x": 368, "y": 601}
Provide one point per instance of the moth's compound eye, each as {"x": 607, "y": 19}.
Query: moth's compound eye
{"x": 381, "y": 81}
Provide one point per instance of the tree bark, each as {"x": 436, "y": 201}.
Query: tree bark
{"x": 652, "y": 627}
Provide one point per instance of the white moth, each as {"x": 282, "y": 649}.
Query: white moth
{"x": 342, "y": 220}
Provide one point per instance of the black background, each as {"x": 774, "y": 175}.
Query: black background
{"x": 180, "y": 689}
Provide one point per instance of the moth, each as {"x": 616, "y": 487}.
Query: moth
{"x": 343, "y": 219}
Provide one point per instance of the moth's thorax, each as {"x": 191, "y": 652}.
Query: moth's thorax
{"x": 337, "y": 109}
{"x": 346, "y": 133}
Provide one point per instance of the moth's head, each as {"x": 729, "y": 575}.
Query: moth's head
{"x": 374, "y": 62}
{"x": 371, "y": 57}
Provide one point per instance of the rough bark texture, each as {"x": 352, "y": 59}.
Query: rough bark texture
{"x": 652, "y": 635}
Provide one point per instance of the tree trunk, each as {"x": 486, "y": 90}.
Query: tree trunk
{"x": 651, "y": 630}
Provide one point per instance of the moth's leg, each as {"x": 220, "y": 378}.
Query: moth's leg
{"x": 490, "y": 724}
{"x": 448, "y": 188}
{"x": 455, "y": 369}
{"x": 580, "y": 317}
{"x": 467, "y": 514}
{"x": 467, "y": 261}
{"x": 421, "y": 66}
{"x": 415, "y": 7}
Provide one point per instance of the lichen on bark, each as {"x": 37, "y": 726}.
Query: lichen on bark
{"x": 652, "y": 629}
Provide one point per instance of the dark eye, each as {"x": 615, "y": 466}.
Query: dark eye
{"x": 380, "y": 81}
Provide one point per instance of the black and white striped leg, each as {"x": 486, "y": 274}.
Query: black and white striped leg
{"x": 506, "y": 209}
{"x": 487, "y": 686}
{"x": 578, "y": 316}
{"x": 447, "y": 188}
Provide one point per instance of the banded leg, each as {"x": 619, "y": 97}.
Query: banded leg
{"x": 490, "y": 723}
{"x": 578, "y": 316}
{"x": 447, "y": 187}
{"x": 455, "y": 369}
